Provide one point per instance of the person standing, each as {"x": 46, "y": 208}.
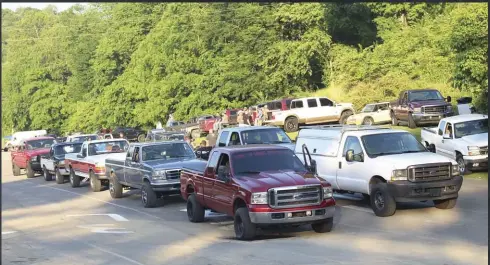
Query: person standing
{"x": 224, "y": 119}
{"x": 212, "y": 137}
{"x": 122, "y": 136}
{"x": 260, "y": 114}
{"x": 240, "y": 118}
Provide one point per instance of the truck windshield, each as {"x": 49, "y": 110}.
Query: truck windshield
{"x": 167, "y": 151}
{"x": 253, "y": 162}
{"x": 67, "y": 149}
{"x": 38, "y": 144}
{"x": 107, "y": 147}
{"x": 265, "y": 136}
{"x": 466, "y": 128}
{"x": 368, "y": 108}
{"x": 390, "y": 144}
{"x": 424, "y": 95}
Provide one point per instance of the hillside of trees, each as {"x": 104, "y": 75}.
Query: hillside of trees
{"x": 133, "y": 64}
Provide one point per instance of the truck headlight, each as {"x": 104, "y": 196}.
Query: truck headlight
{"x": 418, "y": 110}
{"x": 473, "y": 150}
{"x": 259, "y": 198}
{"x": 327, "y": 192}
{"x": 159, "y": 175}
{"x": 455, "y": 170}
{"x": 399, "y": 174}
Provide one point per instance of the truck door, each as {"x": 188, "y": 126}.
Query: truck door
{"x": 122, "y": 173}
{"x": 209, "y": 179}
{"x": 328, "y": 110}
{"x": 132, "y": 171}
{"x": 314, "y": 114}
{"x": 223, "y": 189}
{"x": 350, "y": 174}
{"x": 444, "y": 146}
{"x": 403, "y": 108}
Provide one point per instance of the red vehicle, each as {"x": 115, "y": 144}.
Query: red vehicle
{"x": 207, "y": 124}
{"x": 276, "y": 105}
{"x": 28, "y": 155}
{"x": 260, "y": 186}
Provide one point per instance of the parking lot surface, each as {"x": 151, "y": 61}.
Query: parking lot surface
{"x": 47, "y": 223}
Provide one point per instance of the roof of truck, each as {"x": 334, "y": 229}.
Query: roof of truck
{"x": 465, "y": 117}
{"x": 252, "y": 147}
{"x": 106, "y": 140}
{"x": 248, "y": 128}
{"x": 337, "y": 131}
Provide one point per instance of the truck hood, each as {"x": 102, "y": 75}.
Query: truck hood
{"x": 37, "y": 152}
{"x": 273, "y": 179}
{"x": 418, "y": 104}
{"x": 476, "y": 139}
{"x": 167, "y": 163}
{"x": 402, "y": 161}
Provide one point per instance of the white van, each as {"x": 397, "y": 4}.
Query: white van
{"x": 383, "y": 164}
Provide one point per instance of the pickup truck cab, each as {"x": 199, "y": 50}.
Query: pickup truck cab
{"x": 420, "y": 106}
{"x": 259, "y": 186}
{"x": 81, "y": 138}
{"x": 28, "y": 154}
{"x": 375, "y": 113}
{"x": 89, "y": 163}
{"x": 385, "y": 165}
{"x": 153, "y": 168}
{"x": 253, "y": 135}
{"x": 463, "y": 138}
{"x": 53, "y": 163}
{"x": 312, "y": 110}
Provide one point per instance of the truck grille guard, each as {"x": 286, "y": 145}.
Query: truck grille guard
{"x": 434, "y": 109}
{"x": 430, "y": 172}
{"x": 295, "y": 196}
{"x": 172, "y": 174}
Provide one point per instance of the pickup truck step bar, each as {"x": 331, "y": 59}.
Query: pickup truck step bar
{"x": 346, "y": 127}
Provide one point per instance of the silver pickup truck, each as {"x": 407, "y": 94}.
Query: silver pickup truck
{"x": 154, "y": 168}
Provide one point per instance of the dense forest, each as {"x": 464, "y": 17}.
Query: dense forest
{"x": 132, "y": 64}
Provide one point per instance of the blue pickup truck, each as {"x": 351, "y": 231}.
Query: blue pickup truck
{"x": 153, "y": 167}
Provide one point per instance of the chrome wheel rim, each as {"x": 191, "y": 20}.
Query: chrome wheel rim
{"x": 379, "y": 200}
{"x": 369, "y": 122}
{"x": 144, "y": 196}
{"x": 461, "y": 165}
{"x": 111, "y": 187}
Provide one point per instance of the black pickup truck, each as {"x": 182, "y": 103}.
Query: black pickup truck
{"x": 153, "y": 167}
{"x": 53, "y": 163}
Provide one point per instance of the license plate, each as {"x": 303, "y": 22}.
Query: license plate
{"x": 435, "y": 192}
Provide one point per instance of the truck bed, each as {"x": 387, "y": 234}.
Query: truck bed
{"x": 197, "y": 166}
{"x": 430, "y": 129}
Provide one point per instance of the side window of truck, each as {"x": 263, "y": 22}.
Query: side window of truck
{"x": 222, "y": 138}
{"x": 312, "y": 103}
{"x": 325, "y": 102}
{"x": 213, "y": 160}
{"x": 235, "y": 139}
{"x": 441, "y": 128}
{"x": 223, "y": 168}
{"x": 136, "y": 154}
{"x": 297, "y": 104}
{"x": 352, "y": 143}
{"x": 404, "y": 99}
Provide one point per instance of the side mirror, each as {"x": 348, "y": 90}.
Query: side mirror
{"x": 349, "y": 156}
{"x": 446, "y": 136}
{"x": 448, "y": 98}
{"x": 313, "y": 166}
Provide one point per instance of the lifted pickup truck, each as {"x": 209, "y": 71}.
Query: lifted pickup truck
{"x": 28, "y": 155}
{"x": 420, "y": 106}
{"x": 89, "y": 163}
{"x": 154, "y": 168}
{"x": 53, "y": 163}
{"x": 385, "y": 165}
{"x": 254, "y": 135}
{"x": 463, "y": 138}
{"x": 259, "y": 186}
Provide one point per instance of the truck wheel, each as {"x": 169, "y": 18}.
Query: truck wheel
{"x": 148, "y": 196}
{"x": 141, "y": 138}
{"x": 344, "y": 116}
{"x": 411, "y": 122}
{"x": 115, "y": 188}
{"x": 445, "y": 204}
{"x": 244, "y": 228}
{"x": 291, "y": 124}
{"x": 195, "y": 211}
{"x": 368, "y": 121}
{"x": 74, "y": 179}
{"x": 60, "y": 179}
{"x": 95, "y": 183}
{"x": 394, "y": 120}
{"x": 30, "y": 171}
{"x": 323, "y": 227}
{"x": 382, "y": 203}
{"x": 47, "y": 175}
{"x": 461, "y": 163}
{"x": 15, "y": 169}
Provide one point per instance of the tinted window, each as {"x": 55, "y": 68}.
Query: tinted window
{"x": 312, "y": 103}
{"x": 424, "y": 95}
{"x": 470, "y": 128}
{"x": 84, "y": 138}
{"x": 325, "y": 102}
{"x": 167, "y": 151}
{"x": 391, "y": 143}
{"x": 37, "y": 144}
{"x": 442, "y": 124}
{"x": 234, "y": 139}
{"x": 352, "y": 143}
{"x": 222, "y": 139}
{"x": 288, "y": 103}
{"x": 296, "y": 104}
{"x": 278, "y": 105}
{"x": 449, "y": 130}
{"x": 254, "y": 162}
{"x": 265, "y": 136}
{"x": 107, "y": 147}
{"x": 383, "y": 107}
{"x": 67, "y": 149}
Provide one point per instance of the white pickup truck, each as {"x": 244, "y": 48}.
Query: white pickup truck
{"x": 385, "y": 165}
{"x": 463, "y": 138}
{"x": 312, "y": 110}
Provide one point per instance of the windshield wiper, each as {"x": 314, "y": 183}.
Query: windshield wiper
{"x": 280, "y": 142}
{"x": 382, "y": 154}
{"x": 250, "y": 172}
{"x": 412, "y": 151}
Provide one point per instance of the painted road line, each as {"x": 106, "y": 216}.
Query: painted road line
{"x": 105, "y": 229}
{"x": 114, "y": 216}
{"x": 8, "y": 232}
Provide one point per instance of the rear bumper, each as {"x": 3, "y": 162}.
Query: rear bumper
{"x": 406, "y": 191}
{"x": 476, "y": 162}
{"x": 426, "y": 118}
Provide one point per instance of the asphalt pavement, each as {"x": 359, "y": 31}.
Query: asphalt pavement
{"x": 48, "y": 223}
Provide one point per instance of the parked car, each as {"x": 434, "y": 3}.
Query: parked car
{"x": 259, "y": 186}
{"x": 19, "y": 137}
{"x": 53, "y": 163}
{"x": 253, "y": 135}
{"x": 81, "y": 138}
{"x": 385, "y": 165}
{"x": 312, "y": 110}
{"x": 420, "y": 106}
{"x": 375, "y": 113}
{"x": 89, "y": 163}
{"x": 158, "y": 135}
{"x": 28, "y": 155}
{"x": 463, "y": 138}
{"x": 131, "y": 134}
{"x": 154, "y": 168}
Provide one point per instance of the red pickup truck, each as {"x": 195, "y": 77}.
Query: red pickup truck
{"x": 206, "y": 125}
{"x": 28, "y": 155}
{"x": 260, "y": 186}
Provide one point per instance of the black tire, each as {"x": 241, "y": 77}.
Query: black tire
{"x": 291, "y": 124}
{"x": 141, "y": 138}
{"x": 445, "y": 204}
{"x": 95, "y": 182}
{"x": 461, "y": 163}
{"x": 244, "y": 228}
{"x": 382, "y": 203}
{"x": 411, "y": 122}
{"x": 148, "y": 196}
{"x": 74, "y": 179}
{"x": 15, "y": 169}
{"x": 30, "y": 171}
{"x": 115, "y": 187}
{"x": 46, "y": 174}
{"x": 368, "y": 121}
{"x": 60, "y": 179}
{"x": 195, "y": 211}
{"x": 323, "y": 227}
{"x": 344, "y": 116}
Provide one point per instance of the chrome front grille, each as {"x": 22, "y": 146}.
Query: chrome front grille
{"x": 429, "y": 172}
{"x": 484, "y": 150}
{"x": 173, "y": 174}
{"x": 295, "y": 196}
{"x": 434, "y": 109}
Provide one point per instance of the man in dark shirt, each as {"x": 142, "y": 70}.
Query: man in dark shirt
{"x": 211, "y": 138}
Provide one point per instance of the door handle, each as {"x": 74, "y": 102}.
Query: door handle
{"x": 340, "y": 165}
{"x": 442, "y": 141}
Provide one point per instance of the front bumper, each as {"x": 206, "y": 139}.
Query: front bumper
{"x": 169, "y": 187}
{"x": 476, "y": 162}
{"x": 432, "y": 118}
{"x": 406, "y": 191}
